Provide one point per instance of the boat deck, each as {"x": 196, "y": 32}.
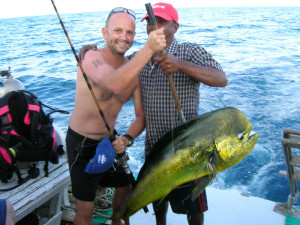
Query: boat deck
{"x": 225, "y": 207}
{"x": 42, "y": 193}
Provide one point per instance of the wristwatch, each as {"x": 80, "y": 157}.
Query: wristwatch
{"x": 129, "y": 138}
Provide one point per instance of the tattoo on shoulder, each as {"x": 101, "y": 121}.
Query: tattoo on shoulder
{"x": 97, "y": 63}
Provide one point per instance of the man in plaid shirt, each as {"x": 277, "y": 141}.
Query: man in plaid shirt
{"x": 189, "y": 64}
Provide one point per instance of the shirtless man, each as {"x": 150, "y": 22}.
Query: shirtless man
{"x": 114, "y": 80}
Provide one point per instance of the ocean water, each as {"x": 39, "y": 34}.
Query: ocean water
{"x": 257, "y": 47}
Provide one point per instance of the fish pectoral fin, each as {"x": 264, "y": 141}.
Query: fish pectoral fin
{"x": 204, "y": 181}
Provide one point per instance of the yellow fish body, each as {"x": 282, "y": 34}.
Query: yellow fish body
{"x": 219, "y": 139}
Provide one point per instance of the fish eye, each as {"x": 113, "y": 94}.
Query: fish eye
{"x": 241, "y": 136}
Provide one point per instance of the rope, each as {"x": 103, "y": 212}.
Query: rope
{"x": 103, "y": 201}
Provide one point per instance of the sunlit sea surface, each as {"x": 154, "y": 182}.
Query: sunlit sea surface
{"x": 257, "y": 47}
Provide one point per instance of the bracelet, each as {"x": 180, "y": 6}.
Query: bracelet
{"x": 129, "y": 138}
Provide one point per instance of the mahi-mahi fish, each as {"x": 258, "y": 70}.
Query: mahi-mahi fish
{"x": 199, "y": 148}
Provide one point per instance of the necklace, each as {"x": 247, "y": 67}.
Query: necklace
{"x": 106, "y": 60}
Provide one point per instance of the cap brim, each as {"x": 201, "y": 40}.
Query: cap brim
{"x": 146, "y": 16}
{"x": 161, "y": 15}
{"x": 104, "y": 151}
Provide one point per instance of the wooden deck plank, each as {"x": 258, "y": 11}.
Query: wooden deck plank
{"x": 35, "y": 192}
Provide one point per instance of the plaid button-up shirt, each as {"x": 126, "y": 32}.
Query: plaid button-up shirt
{"x": 159, "y": 105}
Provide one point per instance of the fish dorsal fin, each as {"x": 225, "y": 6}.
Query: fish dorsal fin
{"x": 177, "y": 131}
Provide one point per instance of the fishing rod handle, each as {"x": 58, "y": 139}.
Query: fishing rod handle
{"x": 176, "y": 99}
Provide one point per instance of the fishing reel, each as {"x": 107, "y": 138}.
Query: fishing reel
{"x": 121, "y": 160}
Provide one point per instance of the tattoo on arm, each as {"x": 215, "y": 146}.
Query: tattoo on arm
{"x": 97, "y": 63}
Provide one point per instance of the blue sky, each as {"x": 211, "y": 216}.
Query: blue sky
{"x": 19, "y": 8}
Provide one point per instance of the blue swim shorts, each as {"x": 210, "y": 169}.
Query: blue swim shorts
{"x": 2, "y": 211}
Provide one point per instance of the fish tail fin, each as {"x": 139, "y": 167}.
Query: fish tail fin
{"x": 117, "y": 215}
{"x": 120, "y": 215}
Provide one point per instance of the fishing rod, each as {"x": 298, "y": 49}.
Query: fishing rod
{"x": 110, "y": 133}
{"x": 153, "y": 22}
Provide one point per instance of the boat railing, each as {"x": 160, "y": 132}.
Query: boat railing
{"x": 290, "y": 141}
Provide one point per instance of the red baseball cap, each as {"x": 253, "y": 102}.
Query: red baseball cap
{"x": 165, "y": 11}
